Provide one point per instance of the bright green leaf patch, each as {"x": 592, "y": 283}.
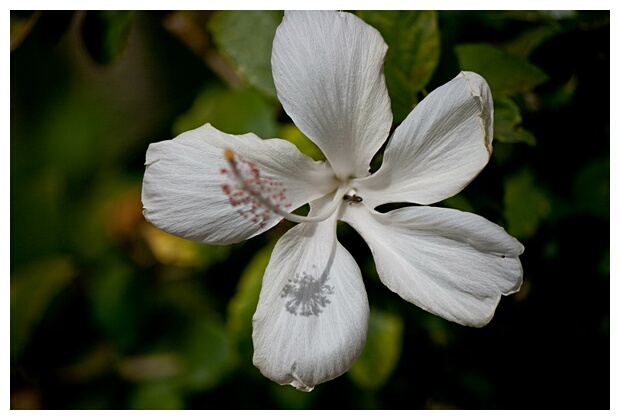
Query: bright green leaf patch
{"x": 505, "y": 73}
{"x": 382, "y": 351}
{"x": 243, "y": 305}
{"x": 413, "y": 54}
{"x": 246, "y": 37}
{"x": 293, "y": 134}
{"x": 230, "y": 111}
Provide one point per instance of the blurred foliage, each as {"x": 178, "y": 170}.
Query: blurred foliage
{"x": 230, "y": 31}
{"x": 385, "y": 331}
{"x": 108, "y": 312}
{"x": 413, "y": 40}
{"x": 105, "y": 34}
{"x": 505, "y": 73}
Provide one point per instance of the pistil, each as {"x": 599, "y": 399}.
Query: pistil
{"x": 258, "y": 198}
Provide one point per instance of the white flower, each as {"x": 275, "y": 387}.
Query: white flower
{"x": 311, "y": 321}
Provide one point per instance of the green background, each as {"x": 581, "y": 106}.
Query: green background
{"x": 107, "y": 312}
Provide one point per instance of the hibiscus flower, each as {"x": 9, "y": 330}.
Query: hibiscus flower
{"x": 312, "y": 316}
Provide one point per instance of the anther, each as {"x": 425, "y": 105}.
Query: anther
{"x": 229, "y": 155}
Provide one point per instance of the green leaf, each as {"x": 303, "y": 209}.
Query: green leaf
{"x": 526, "y": 204}
{"x": 507, "y": 122}
{"x": 230, "y": 111}
{"x": 478, "y": 385}
{"x": 437, "y": 328}
{"x": 414, "y": 48}
{"x": 291, "y": 133}
{"x": 380, "y": 355}
{"x": 289, "y": 398}
{"x": 505, "y": 73}
{"x": 114, "y": 303}
{"x": 459, "y": 202}
{"x": 591, "y": 189}
{"x": 526, "y": 42}
{"x": 157, "y": 395}
{"x": 242, "y": 306}
{"x": 208, "y": 355}
{"x": 230, "y": 30}
{"x": 105, "y": 33}
{"x": 562, "y": 96}
{"x": 32, "y": 290}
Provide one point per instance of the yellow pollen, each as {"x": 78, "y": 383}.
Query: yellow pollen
{"x": 229, "y": 155}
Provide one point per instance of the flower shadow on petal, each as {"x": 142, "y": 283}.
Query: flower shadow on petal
{"x": 307, "y": 294}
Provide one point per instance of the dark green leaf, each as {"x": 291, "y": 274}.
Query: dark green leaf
{"x": 290, "y": 398}
{"x": 458, "y": 202}
{"x": 437, "y": 329}
{"x": 562, "y": 95}
{"x": 523, "y": 45}
{"x": 507, "y": 123}
{"x": 105, "y": 33}
{"x": 505, "y": 73}
{"x": 591, "y": 189}
{"x": 32, "y": 291}
{"x": 208, "y": 355}
{"x": 414, "y": 48}
{"x": 157, "y": 395}
{"x": 526, "y": 204}
{"x": 114, "y": 297}
{"x": 246, "y": 37}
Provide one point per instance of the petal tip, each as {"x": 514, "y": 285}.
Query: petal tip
{"x": 297, "y": 382}
{"x": 299, "y": 385}
{"x": 478, "y": 88}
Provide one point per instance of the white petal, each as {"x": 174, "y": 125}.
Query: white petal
{"x": 327, "y": 68}
{"x": 453, "y": 264}
{"x": 182, "y": 191}
{"x": 439, "y": 148}
{"x": 312, "y": 316}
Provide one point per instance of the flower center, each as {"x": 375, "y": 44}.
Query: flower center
{"x": 258, "y": 198}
